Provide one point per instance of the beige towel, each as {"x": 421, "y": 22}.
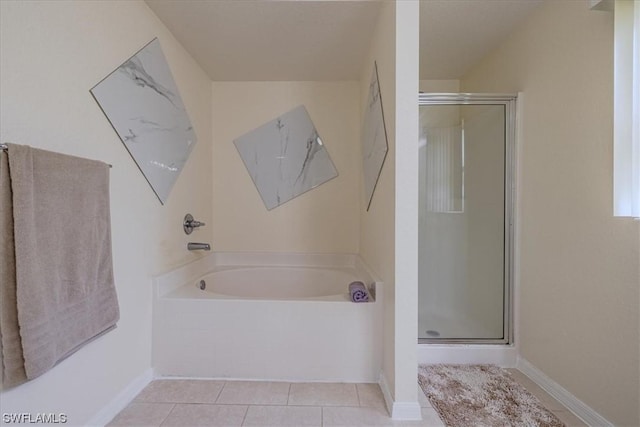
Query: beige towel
{"x": 65, "y": 290}
{"x": 12, "y": 361}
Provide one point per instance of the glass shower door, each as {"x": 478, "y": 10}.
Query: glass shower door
{"x": 465, "y": 218}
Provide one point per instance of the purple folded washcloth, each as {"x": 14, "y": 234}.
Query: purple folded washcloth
{"x": 358, "y": 292}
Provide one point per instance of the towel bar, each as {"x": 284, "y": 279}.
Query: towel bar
{"x": 4, "y": 147}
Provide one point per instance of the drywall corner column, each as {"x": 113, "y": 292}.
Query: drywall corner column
{"x": 406, "y": 207}
{"x": 377, "y": 225}
{"x": 388, "y": 231}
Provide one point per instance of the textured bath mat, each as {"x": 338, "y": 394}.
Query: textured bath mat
{"x": 481, "y": 395}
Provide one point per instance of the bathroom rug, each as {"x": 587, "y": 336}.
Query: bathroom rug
{"x": 482, "y": 395}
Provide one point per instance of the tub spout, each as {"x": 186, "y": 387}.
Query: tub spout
{"x": 198, "y": 246}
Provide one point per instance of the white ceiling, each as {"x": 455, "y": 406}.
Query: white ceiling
{"x": 246, "y": 40}
{"x": 272, "y": 40}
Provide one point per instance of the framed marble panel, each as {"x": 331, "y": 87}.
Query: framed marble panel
{"x": 285, "y": 157}
{"x": 374, "y": 138}
{"x": 141, "y": 101}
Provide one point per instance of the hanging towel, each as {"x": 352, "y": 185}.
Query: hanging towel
{"x": 65, "y": 291}
{"x": 12, "y": 361}
{"x": 358, "y": 292}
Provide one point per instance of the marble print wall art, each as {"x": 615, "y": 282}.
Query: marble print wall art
{"x": 285, "y": 157}
{"x": 374, "y": 138}
{"x": 142, "y": 103}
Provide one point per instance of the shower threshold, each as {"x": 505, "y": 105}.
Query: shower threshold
{"x": 504, "y": 355}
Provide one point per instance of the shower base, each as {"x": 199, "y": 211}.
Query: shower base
{"x": 473, "y": 346}
{"x": 438, "y": 326}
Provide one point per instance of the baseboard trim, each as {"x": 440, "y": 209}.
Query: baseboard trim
{"x": 406, "y": 411}
{"x": 562, "y": 395}
{"x": 113, "y": 408}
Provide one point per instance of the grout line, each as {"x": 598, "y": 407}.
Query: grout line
{"x": 358, "y": 396}
{"x": 220, "y": 392}
{"x": 168, "y": 413}
{"x": 246, "y": 403}
{"x": 288, "y": 394}
{"x": 312, "y": 405}
{"x": 244, "y": 419}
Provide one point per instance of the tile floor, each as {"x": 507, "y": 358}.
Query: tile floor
{"x": 279, "y": 404}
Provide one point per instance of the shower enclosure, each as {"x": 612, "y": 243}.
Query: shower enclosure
{"x": 466, "y": 221}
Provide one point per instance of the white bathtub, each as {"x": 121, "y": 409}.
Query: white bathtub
{"x": 268, "y": 317}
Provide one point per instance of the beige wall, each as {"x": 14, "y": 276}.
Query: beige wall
{"x": 53, "y": 53}
{"x": 439, "y": 86}
{"x": 578, "y": 265}
{"x": 324, "y": 219}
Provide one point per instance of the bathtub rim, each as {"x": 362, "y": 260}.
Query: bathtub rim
{"x": 338, "y": 292}
{"x": 166, "y": 283}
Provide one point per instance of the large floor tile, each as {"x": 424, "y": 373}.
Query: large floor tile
{"x": 370, "y": 395}
{"x": 220, "y": 403}
{"x": 345, "y": 416}
{"x": 195, "y": 415}
{"x": 142, "y": 414}
{"x": 280, "y": 416}
{"x": 181, "y": 391}
{"x": 254, "y": 393}
{"x": 354, "y": 417}
{"x": 323, "y": 394}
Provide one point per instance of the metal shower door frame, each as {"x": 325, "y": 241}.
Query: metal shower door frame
{"x": 509, "y": 101}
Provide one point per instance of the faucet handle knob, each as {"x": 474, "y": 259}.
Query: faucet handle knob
{"x": 188, "y": 224}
